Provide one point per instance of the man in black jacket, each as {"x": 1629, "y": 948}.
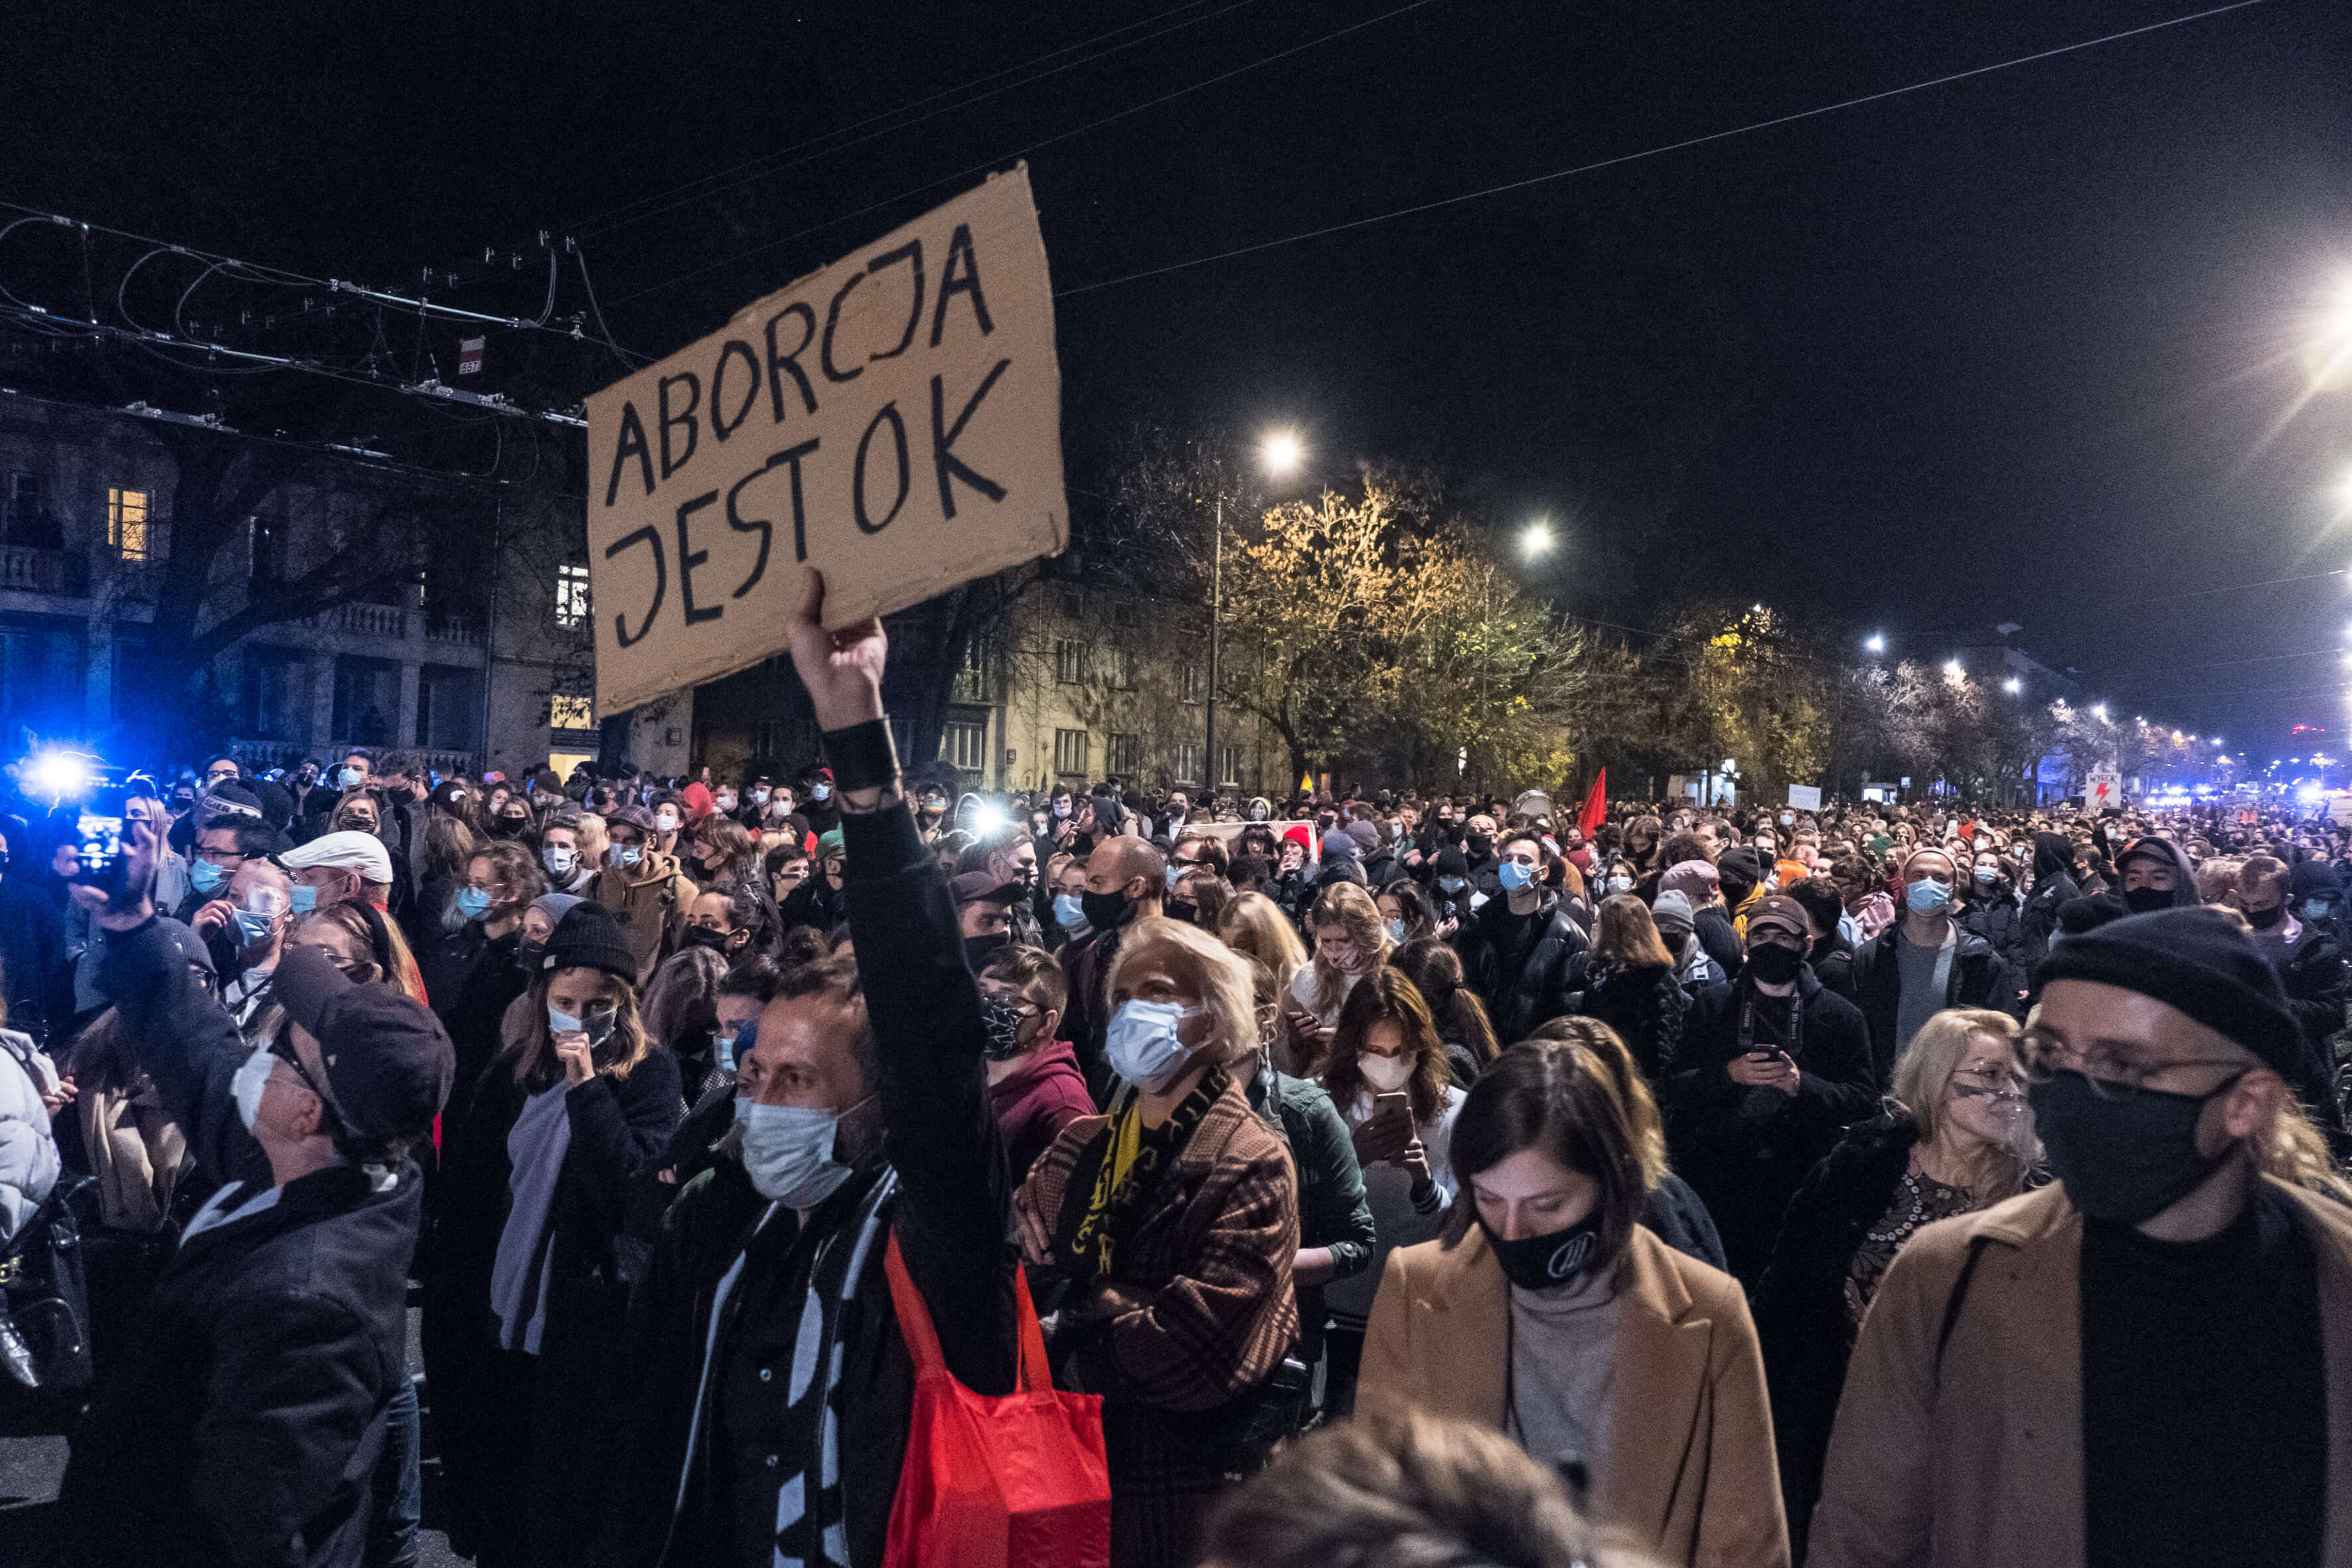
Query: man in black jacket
{"x": 1773, "y": 1068}
{"x": 775, "y": 1386}
{"x": 1518, "y": 951}
{"x": 2308, "y": 959}
{"x": 247, "y": 1420}
{"x": 1924, "y": 964}
{"x": 2053, "y": 885}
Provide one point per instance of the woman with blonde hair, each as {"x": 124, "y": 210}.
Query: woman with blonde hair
{"x": 1254, "y": 926}
{"x": 1549, "y": 1312}
{"x": 533, "y": 1286}
{"x": 1956, "y": 1137}
{"x": 1173, "y": 1223}
{"x": 1350, "y": 940}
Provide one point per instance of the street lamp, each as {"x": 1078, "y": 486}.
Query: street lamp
{"x": 1535, "y": 540}
{"x": 1954, "y": 670}
{"x": 1875, "y": 643}
{"x": 2012, "y": 685}
{"x": 1280, "y": 454}
{"x": 2099, "y": 712}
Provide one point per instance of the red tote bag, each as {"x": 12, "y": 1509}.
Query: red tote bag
{"x": 1019, "y": 1482}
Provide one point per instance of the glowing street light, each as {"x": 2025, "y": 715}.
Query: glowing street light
{"x": 1875, "y": 643}
{"x": 2012, "y": 685}
{"x": 1955, "y": 670}
{"x": 2099, "y": 712}
{"x": 1280, "y": 454}
{"x": 1536, "y": 540}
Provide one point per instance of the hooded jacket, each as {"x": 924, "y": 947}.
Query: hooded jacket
{"x": 649, "y": 902}
{"x": 2053, "y": 885}
{"x": 2184, "y": 875}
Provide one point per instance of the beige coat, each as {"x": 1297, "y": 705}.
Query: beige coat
{"x": 1978, "y": 1463}
{"x": 650, "y": 908}
{"x": 1688, "y": 1473}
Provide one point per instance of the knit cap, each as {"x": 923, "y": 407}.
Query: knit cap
{"x": 2198, "y": 960}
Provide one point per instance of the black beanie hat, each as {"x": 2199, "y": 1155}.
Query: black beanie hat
{"x": 2198, "y": 960}
{"x": 2313, "y": 879}
{"x": 587, "y": 938}
{"x": 1452, "y": 862}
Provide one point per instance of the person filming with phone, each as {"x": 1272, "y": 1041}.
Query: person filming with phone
{"x": 1773, "y": 1068}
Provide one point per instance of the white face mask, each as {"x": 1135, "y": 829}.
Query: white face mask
{"x": 559, "y": 860}
{"x": 665, "y": 821}
{"x": 252, "y": 1077}
{"x": 1142, "y": 1046}
{"x": 1621, "y": 884}
{"x": 788, "y": 1152}
{"x": 1385, "y": 1074}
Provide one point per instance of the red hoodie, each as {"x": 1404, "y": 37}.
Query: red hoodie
{"x": 1034, "y": 1104}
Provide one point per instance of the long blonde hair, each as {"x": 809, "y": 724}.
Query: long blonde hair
{"x": 1254, "y": 926}
{"x": 1922, "y": 1086}
{"x": 1351, "y": 908}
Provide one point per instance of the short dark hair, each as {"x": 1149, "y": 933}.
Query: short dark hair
{"x": 755, "y": 976}
{"x": 1822, "y": 901}
{"x": 255, "y": 837}
{"x": 1558, "y": 1096}
{"x": 405, "y": 763}
{"x": 834, "y": 979}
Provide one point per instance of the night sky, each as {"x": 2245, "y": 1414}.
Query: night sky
{"x": 2017, "y": 348}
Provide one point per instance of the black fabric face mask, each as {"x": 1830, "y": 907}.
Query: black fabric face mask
{"x": 2263, "y": 920}
{"x": 2147, "y": 900}
{"x": 528, "y": 955}
{"x": 978, "y": 950}
{"x": 2123, "y": 1161}
{"x": 1774, "y": 964}
{"x": 1544, "y": 1262}
{"x": 1105, "y": 911}
{"x": 710, "y": 937}
{"x": 1005, "y": 1021}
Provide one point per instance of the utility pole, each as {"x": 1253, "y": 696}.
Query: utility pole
{"x": 1216, "y": 595}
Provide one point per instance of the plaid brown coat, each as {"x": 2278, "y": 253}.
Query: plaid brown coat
{"x": 1208, "y": 1255}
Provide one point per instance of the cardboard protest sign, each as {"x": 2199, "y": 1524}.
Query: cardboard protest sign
{"x": 893, "y": 419}
{"x": 2103, "y": 790}
{"x": 1805, "y": 797}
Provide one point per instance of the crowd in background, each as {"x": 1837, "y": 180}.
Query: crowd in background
{"x": 1608, "y": 1132}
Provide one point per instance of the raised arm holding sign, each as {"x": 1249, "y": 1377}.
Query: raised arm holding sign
{"x": 893, "y": 420}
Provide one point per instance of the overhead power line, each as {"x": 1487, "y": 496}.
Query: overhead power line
{"x": 1003, "y": 158}
{"x": 1660, "y": 151}
{"x": 902, "y": 117}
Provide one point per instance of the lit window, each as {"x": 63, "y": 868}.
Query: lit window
{"x": 126, "y": 523}
{"x": 572, "y": 595}
{"x": 571, "y": 712}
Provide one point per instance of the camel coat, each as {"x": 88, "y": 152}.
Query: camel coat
{"x": 1688, "y": 1473}
{"x": 1966, "y": 1450}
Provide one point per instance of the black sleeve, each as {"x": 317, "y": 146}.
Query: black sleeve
{"x": 1699, "y": 1076}
{"x": 1836, "y": 1081}
{"x": 954, "y": 1195}
{"x": 188, "y": 1045}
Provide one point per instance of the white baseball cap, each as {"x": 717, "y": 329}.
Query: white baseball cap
{"x": 349, "y": 850}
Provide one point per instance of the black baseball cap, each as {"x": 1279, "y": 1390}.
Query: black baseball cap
{"x": 389, "y": 1062}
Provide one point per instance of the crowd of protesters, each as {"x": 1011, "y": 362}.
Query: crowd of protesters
{"x": 1876, "y": 1184}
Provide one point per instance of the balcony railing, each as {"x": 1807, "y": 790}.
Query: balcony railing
{"x": 464, "y": 629}
{"x": 31, "y": 571}
{"x": 364, "y": 620}
{"x": 257, "y": 756}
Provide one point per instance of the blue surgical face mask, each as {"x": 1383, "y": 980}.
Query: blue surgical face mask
{"x": 303, "y": 899}
{"x": 2317, "y": 909}
{"x": 729, "y": 1048}
{"x": 1142, "y": 1046}
{"x": 821, "y": 792}
{"x": 252, "y": 928}
{"x": 1451, "y": 884}
{"x": 207, "y": 878}
{"x": 1927, "y": 896}
{"x": 788, "y": 1152}
{"x": 473, "y": 903}
{"x": 598, "y": 1028}
{"x": 624, "y": 855}
{"x": 1068, "y": 912}
{"x": 1396, "y": 931}
{"x": 351, "y": 777}
{"x": 1515, "y": 877}
{"x": 1986, "y": 876}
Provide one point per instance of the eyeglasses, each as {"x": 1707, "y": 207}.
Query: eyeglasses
{"x": 2041, "y": 1056}
{"x": 1987, "y": 1083}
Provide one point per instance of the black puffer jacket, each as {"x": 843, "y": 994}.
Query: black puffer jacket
{"x": 1801, "y": 1304}
{"x": 1644, "y": 1006}
{"x": 1519, "y": 963}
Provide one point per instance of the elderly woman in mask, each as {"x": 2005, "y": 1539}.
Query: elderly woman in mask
{"x": 1173, "y": 1224}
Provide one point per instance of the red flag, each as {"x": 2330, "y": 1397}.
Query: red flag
{"x": 1595, "y": 810}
